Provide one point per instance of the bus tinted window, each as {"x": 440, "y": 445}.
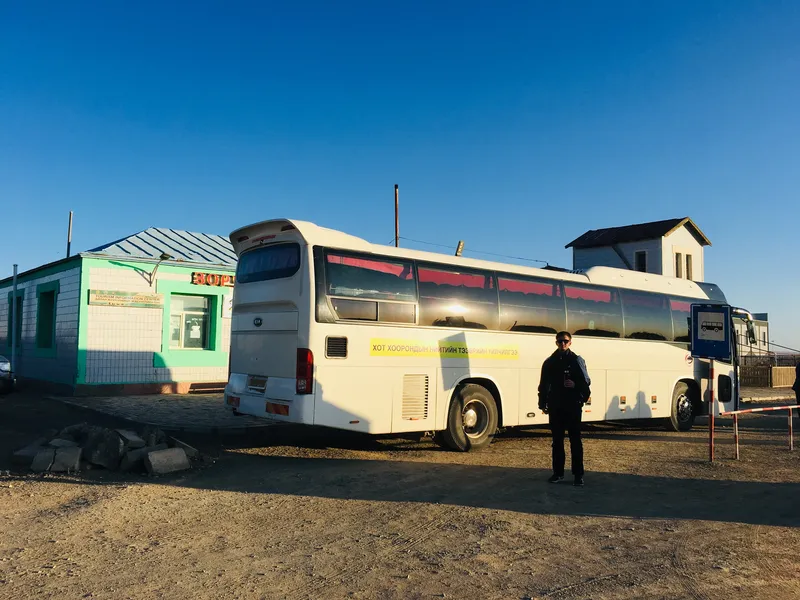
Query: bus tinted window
{"x": 369, "y": 277}
{"x": 532, "y": 305}
{"x": 593, "y": 311}
{"x": 457, "y": 298}
{"x": 647, "y": 316}
{"x": 268, "y": 262}
{"x": 681, "y": 316}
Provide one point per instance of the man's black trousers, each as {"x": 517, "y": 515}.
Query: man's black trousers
{"x": 567, "y": 419}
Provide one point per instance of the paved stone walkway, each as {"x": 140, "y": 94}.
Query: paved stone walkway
{"x": 196, "y": 413}
{"x": 750, "y": 394}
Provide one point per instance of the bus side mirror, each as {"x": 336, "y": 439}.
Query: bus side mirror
{"x": 751, "y": 333}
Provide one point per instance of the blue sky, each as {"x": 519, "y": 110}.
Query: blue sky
{"x": 515, "y": 126}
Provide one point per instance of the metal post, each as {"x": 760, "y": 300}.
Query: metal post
{"x": 69, "y": 233}
{"x": 396, "y": 216}
{"x": 736, "y": 434}
{"x": 711, "y": 412}
{"x": 791, "y": 434}
{"x": 13, "y": 332}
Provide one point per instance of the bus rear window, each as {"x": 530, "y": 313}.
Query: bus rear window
{"x": 268, "y": 262}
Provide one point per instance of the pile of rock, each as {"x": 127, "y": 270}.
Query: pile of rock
{"x": 82, "y": 447}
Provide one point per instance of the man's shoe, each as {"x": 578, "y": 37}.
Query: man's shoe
{"x": 578, "y": 482}
{"x": 555, "y": 478}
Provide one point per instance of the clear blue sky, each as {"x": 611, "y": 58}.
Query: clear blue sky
{"x": 515, "y": 126}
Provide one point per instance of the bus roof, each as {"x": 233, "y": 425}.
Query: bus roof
{"x": 274, "y": 230}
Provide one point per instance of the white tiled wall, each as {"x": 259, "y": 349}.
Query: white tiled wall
{"x": 63, "y": 366}
{"x": 121, "y": 341}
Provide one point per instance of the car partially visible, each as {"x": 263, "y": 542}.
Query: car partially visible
{"x": 6, "y": 376}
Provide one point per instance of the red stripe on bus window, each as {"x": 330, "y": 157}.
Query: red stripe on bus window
{"x": 469, "y": 280}
{"x": 587, "y": 294}
{"x": 528, "y": 287}
{"x": 400, "y": 270}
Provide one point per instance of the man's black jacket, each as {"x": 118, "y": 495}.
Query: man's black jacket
{"x": 559, "y": 366}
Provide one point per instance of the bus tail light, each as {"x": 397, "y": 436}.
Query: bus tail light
{"x": 305, "y": 371}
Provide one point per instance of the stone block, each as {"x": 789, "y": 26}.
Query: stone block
{"x": 105, "y": 448}
{"x": 62, "y": 443}
{"x": 24, "y": 456}
{"x": 43, "y": 460}
{"x": 66, "y": 460}
{"x": 134, "y": 459}
{"x": 131, "y": 439}
{"x": 170, "y": 460}
{"x": 190, "y": 451}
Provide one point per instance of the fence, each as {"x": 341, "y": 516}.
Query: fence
{"x": 776, "y": 370}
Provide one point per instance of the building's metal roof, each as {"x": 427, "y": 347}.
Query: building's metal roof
{"x": 634, "y": 233}
{"x": 182, "y": 246}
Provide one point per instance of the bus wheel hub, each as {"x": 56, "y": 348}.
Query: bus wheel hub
{"x": 470, "y": 418}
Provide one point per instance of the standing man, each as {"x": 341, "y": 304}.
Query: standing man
{"x": 563, "y": 389}
{"x": 796, "y": 386}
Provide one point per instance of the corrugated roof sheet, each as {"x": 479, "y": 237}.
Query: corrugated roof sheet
{"x": 183, "y": 246}
{"x": 634, "y": 233}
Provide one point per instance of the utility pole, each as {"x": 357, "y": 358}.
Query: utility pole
{"x": 13, "y": 331}
{"x": 396, "y": 216}
{"x": 69, "y": 233}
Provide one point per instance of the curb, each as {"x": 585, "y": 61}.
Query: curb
{"x": 208, "y": 429}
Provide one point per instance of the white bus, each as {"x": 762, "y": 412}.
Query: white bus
{"x": 331, "y": 330}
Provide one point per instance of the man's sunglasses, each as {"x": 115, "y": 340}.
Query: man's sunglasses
{"x": 563, "y": 341}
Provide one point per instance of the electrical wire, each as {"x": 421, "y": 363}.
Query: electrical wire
{"x": 475, "y": 251}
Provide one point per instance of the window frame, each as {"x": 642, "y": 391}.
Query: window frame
{"x": 207, "y": 323}
{"x": 54, "y": 288}
{"x": 678, "y": 264}
{"x": 689, "y": 267}
{"x": 217, "y": 354}
{"x": 324, "y": 307}
{"x": 636, "y": 256}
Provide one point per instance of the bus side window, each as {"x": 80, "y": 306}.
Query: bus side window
{"x": 647, "y": 316}
{"x": 455, "y": 298}
{"x": 681, "y": 316}
{"x": 531, "y": 305}
{"x": 593, "y": 311}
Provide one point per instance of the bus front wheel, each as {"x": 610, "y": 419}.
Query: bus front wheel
{"x": 683, "y": 408}
{"x": 471, "y": 419}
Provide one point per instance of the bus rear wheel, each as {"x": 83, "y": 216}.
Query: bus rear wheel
{"x": 683, "y": 408}
{"x": 471, "y": 420}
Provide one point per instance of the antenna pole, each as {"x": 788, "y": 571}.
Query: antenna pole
{"x": 396, "y": 216}
{"x": 69, "y": 233}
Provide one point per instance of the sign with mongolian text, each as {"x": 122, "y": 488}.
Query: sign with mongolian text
{"x": 442, "y": 349}
{"x": 128, "y": 299}
{"x": 213, "y": 279}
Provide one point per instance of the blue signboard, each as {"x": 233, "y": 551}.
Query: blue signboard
{"x": 711, "y": 331}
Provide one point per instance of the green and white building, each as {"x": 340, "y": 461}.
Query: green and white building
{"x": 149, "y": 313}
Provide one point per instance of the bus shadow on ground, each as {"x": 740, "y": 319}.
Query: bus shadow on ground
{"x": 508, "y": 488}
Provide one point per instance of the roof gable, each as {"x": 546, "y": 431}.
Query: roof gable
{"x": 609, "y": 236}
{"x": 182, "y": 246}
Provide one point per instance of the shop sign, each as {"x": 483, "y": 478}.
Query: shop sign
{"x": 213, "y": 279}
{"x": 127, "y": 299}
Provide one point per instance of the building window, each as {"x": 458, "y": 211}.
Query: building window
{"x": 46, "y": 320}
{"x": 678, "y": 264}
{"x": 689, "y": 266}
{"x": 641, "y": 261}
{"x": 189, "y": 322}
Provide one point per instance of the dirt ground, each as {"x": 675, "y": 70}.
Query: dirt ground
{"x": 302, "y": 513}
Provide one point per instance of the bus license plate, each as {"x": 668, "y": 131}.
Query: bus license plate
{"x": 257, "y": 384}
